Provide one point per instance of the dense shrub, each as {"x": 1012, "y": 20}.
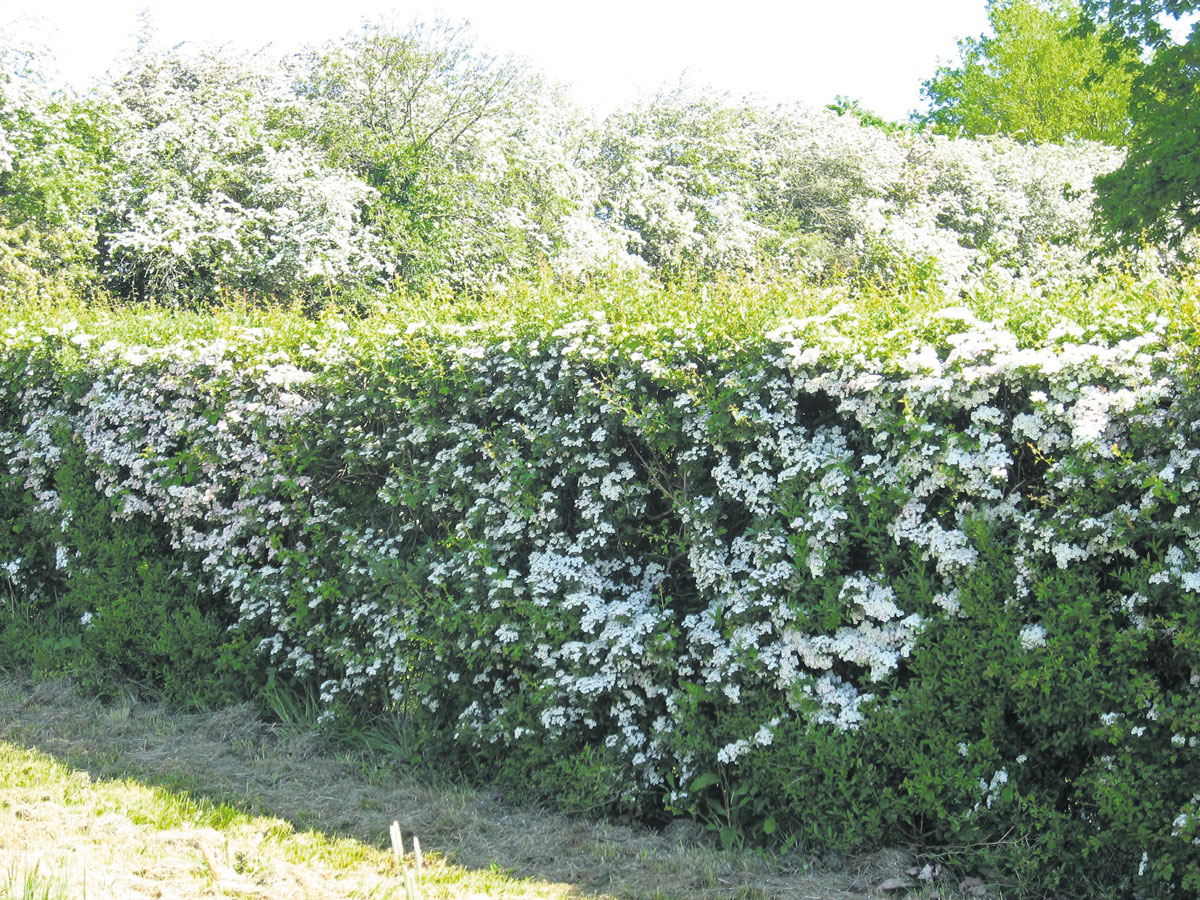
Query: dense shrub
{"x": 877, "y": 571}
{"x": 410, "y": 158}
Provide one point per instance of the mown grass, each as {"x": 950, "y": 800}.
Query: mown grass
{"x": 131, "y": 799}
{"x": 188, "y": 843}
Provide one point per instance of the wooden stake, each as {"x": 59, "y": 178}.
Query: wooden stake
{"x": 397, "y": 842}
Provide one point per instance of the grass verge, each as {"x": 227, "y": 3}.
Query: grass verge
{"x": 130, "y": 799}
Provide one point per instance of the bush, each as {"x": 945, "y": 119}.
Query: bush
{"x": 870, "y": 572}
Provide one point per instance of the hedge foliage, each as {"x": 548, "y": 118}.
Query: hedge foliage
{"x": 815, "y": 567}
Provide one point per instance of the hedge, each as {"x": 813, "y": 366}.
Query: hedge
{"x": 822, "y": 583}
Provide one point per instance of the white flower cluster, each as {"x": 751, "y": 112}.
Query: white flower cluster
{"x": 204, "y": 190}
{"x": 689, "y": 179}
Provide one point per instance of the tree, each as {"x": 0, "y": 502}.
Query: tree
{"x": 1155, "y": 194}
{"x": 1037, "y": 77}
{"x": 209, "y": 191}
{"x": 470, "y": 155}
{"x": 852, "y": 106}
{"x": 676, "y": 177}
{"x": 54, "y": 150}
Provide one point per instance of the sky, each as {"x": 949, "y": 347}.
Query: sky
{"x": 608, "y": 51}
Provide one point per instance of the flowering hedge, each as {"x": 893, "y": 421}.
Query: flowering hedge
{"x": 412, "y": 159}
{"x": 934, "y": 582}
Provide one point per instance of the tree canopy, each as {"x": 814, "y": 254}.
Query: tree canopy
{"x": 1037, "y": 77}
{"x": 1155, "y": 194}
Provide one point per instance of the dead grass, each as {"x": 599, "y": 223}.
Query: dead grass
{"x": 132, "y": 800}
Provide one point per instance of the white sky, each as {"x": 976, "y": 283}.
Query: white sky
{"x": 609, "y": 51}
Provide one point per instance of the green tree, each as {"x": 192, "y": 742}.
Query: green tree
{"x": 852, "y": 106}
{"x": 470, "y": 154}
{"x": 1037, "y": 77}
{"x": 1155, "y": 194}
{"x": 54, "y": 155}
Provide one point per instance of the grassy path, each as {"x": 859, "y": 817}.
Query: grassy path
{"x": 129, "y": 800}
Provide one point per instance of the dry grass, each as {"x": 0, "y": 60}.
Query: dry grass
{"x": 132, "y": 800}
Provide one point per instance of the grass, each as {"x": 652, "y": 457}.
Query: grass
{"x": 24, "y": 881}
{"x": 132, "y": 800}
{"x": 118, "y": 837}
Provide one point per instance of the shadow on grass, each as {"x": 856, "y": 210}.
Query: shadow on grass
{"x": 229, "y": 764}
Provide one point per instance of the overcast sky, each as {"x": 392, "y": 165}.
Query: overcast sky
{"x": 877, "y": 51}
